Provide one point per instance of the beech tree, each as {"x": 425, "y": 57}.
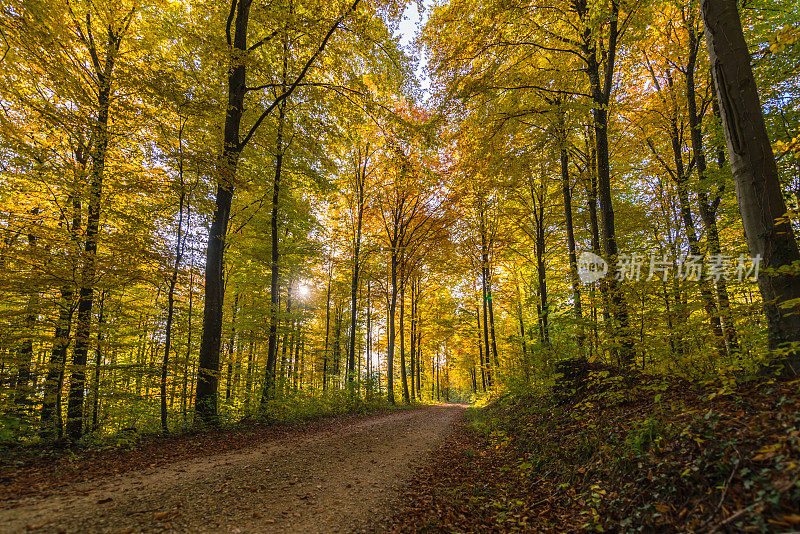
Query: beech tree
{"x": 763, "y": 210}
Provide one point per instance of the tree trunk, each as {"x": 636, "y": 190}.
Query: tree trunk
{"x": 361, "y": 176}
{"x": 173, "y": 280}
{"x": 248, "y": 385}
{"x": 681, "y": 179}
{"x": 231, "y": 345}
{"x": 98, "y": 361}
{"x": 369, "y": 336}
{"x": 708, "y": 208}
{"x": 55, "y": 372}
{"x": 327, "y": 332}
{"x": 272, "y": 350}
{"x": 486, "y": 297}
{"x": 480, "y": 348}
{"x": 594, "y": 224}
{"x": 390, "y": 347}
{"x": 51, "y": 404}
{"x": 77, "y": 383}
{"x": 186, "y": 393}
{"x": 601, "y": 96}
{"x": 413, "y": 340}
{"x": 758, "y": 190}
{"x": 538, "y": 200}
{"x": 419, "y": 344}
{"x": 403, "y": 376}
{"x": 211, "y": 340}
{"x": 288, "y": 326}
{"x": 337, "y": 340}
{"x": 573, "y": 258}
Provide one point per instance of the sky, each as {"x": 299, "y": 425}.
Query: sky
{"x": 408, "y": 29}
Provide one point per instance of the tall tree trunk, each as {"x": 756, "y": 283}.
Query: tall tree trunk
{"x": 681, "y": 179}
{"x": 480, "y": 348}
{"x": 231, "y": 346}
{"x": 208, "y": 373}
{"x": 296, "y": 359}
{"x": 708, "y": 208}
{"x": 51, "y": 404}
{"x": 438, "y": 383}
{"x": 173, "y": 280}
{"x": 361, "y": 176}
{"x": 186, "y": 366}
{"x": 538, "y": 200}
{"x": 403, "y": 376}
{"x": 418, "y": 330}
{"x": 521, "y": 317}
{"x": 248, "y": 385}
{"x": 392, "y": 307}
{"x": 211, "y": 340}
{"x": 288, "y": 330}
{"x": 272, "y": 350}
{"x": 77, "y": 383}
{"x": 758, "y": 190}
{"x": 601, "y": 96}
{"x": 573, "y": 258}
{"x": 337, "y": 340}
{"x": 486, "y": 297}
{"x": 55, "y": 372}
{"x": 369, "y": 336}
{"x": 98, "y": 360}
{"x": 327, "y": 332}
{"x": 490, "y": 300}
{"x": 594, "y": 224}
{"x": 413, "y": 339}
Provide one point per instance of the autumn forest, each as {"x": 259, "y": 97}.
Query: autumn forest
{"x": 251, "y": 213}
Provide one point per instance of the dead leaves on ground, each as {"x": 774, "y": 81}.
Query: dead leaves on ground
{"x": 650, "y": 455}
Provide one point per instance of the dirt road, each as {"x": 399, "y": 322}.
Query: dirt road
{"x": 325, "y": 481}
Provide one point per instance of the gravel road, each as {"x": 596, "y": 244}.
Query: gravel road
{"x": 340, "y": 480}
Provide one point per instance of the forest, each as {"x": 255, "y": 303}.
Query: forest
{"x": 242, "y": 214}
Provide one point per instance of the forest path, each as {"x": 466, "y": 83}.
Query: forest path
{"x": 325, "y": 481}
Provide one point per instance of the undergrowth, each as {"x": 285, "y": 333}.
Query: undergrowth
{"x": 291, "y": 409}
{"x": 623, "y": 453}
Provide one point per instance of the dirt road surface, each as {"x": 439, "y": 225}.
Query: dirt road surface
{"x": 340, "y": 480}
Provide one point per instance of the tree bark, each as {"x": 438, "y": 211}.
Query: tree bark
{"x": 708, "y": 208}
{"x": 211, "y": 340}
{"x": 173, "y": 280}
{"x": 361, "y": 176}
{"x": 681, "y": 184}
{"x": 403, "y": 375}
{"x": 327, "y": 332}
{"x": 573, "y": 257}
{"x": 390, "y": 347}
{"x": 480, "y": 348}
{"x": 758, "y": 191}
{"x": 601, "y": 95}
{"x": 75, "y": 400}
{"x": 231, "y": 346}
{"x": 413, "y": 339}
{"x": 22, "y": 395}
{"x": 486, "y": 296}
